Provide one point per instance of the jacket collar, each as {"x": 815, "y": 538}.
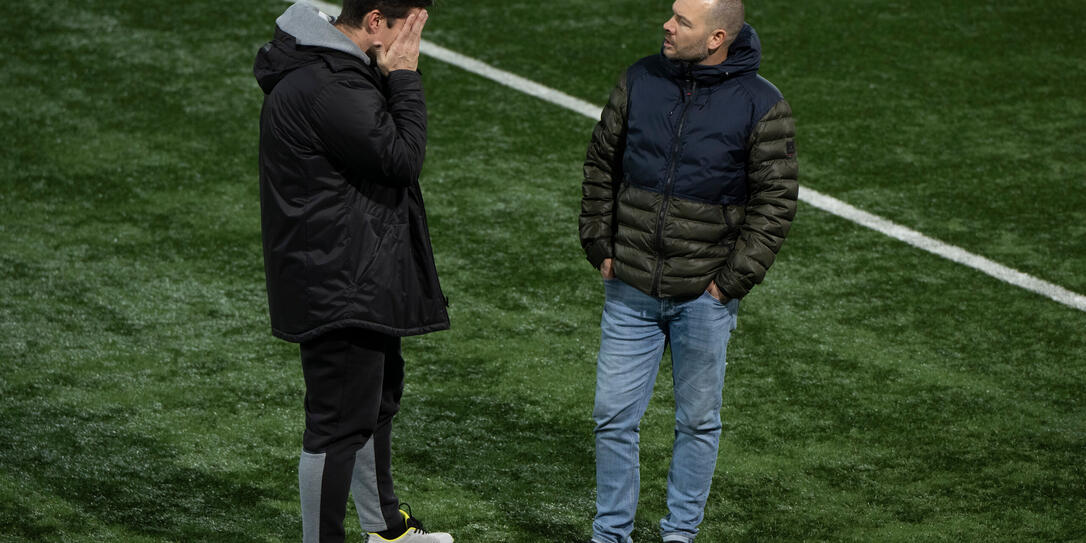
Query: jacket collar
{"x": 744, "y": 57}
{"x": 304, "y": 35}
{"x": 310, "y": 27}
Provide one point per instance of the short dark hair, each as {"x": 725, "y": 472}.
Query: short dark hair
{"x": 354, "y": 11}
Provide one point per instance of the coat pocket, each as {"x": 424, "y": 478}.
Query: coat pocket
{"x": 367, "y": 246}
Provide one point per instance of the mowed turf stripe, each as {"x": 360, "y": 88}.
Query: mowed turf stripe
{"x": 811, "y": 197}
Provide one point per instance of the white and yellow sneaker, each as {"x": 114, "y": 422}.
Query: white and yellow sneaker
{"x": 415, "y": 533}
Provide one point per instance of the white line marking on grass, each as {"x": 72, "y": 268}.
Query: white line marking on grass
{"x": 548, "y": 94}
{"x": 806, "y": 195}
{"x": 514, "y": 81}
{"x": 945, "y": 250}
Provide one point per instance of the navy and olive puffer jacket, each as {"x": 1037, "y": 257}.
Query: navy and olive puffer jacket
{"x": 691, "y": 175}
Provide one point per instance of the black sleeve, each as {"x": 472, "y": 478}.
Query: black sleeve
{"x": 364, "y": 131}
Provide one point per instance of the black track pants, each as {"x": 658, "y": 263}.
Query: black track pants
{"x": 354, "y": 381}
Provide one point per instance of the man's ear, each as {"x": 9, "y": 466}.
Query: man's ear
{"x": 717, "y": 39}
{"x": 372, "y": 21}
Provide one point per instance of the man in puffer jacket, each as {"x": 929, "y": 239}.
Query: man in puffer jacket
{"x": 690, "y": 187}
{"x": 346, "y": 247}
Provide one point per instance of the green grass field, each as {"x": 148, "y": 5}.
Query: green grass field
{"x": 875, "y": 392}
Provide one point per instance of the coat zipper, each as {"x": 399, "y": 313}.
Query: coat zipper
{"x": 669, "y": 185}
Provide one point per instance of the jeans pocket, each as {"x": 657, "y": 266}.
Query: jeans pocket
{"x": 706, "y": 294}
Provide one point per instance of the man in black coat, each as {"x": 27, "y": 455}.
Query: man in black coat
{"x": 347, "y": 253}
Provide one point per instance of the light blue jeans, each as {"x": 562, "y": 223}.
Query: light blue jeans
{"x": 636, "y": 328}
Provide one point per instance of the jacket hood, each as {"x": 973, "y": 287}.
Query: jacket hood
{"x": 302, "y": 32}
{"x": 744, "y": 57}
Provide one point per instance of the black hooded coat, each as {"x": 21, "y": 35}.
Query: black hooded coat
{"x": 344, "y": 229}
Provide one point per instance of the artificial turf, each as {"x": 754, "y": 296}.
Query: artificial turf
{"x": 875, "y": 392}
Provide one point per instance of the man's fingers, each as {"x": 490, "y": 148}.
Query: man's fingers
{"x": 413, "y": 27}
{"x": 403, "y": 51}
{"x": 408, "y": 34}
{"x": 421, "y": 22}
{"x": 398, "y": 39}
{"x": 409, "y": 24}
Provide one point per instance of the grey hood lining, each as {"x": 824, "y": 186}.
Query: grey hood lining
{"x": 312, "y": 27}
